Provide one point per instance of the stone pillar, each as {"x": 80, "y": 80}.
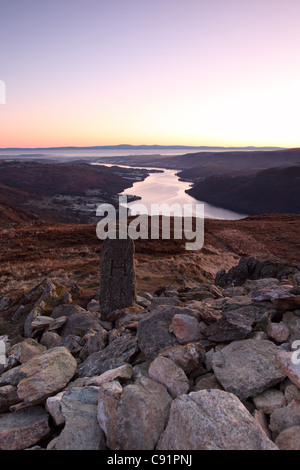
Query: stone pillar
{"x": 117, "y": 276}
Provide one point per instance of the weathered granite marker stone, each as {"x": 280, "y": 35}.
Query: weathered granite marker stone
{"x": 117, "y": 276}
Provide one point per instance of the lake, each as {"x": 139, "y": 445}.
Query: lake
{"x": 165, "y": 187}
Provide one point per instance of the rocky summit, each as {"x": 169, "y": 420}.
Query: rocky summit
{"x": 212, "y": 366}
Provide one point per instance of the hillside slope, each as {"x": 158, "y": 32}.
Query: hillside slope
{"x": 276, "y": 190}
{"x": 45, "y": 179}
{"x": 69, "y": 253}
{"x": 10, "y": 215}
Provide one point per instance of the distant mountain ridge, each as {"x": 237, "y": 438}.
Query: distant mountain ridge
{"x": 145, "y": 147}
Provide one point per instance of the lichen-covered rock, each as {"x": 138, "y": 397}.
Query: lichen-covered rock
{"x": 45, "y": 374}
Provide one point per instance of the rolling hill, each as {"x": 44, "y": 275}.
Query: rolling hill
{"x": 275, "y": 190}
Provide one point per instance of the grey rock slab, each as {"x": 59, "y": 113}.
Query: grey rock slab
{"x": 212, "y": 420}
{"x": 66, "y": 310}
{"x": 45, "y": 374}
{"x": 289, "y": 439}
{"x": 123, "y": 348}
{"x": 269, "y": 400}
{"x": 121, "y": 373}
{"x": 142, "y": 414}
{"x": 234, "y": 324}
{"x": 153, "y": 331}
{"x": 286, "y": 417}
{"x": 23, "y": 428}
{"x": 166, "y": 372}
{"x": 108, "y": 400}
{"x": 79, "y": 323}
{"x": 81, "y": 431}
{"x": 290, "y": 364}
{"x": 248, "y": 367}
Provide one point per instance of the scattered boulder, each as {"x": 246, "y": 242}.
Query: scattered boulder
{"x": 279, "y": 332}
{"x": 147, "y": 403}
{"x": 35, "y": 312}
{"x": 233, "y": 325}
{"x": 45, "y": 375}
{"x": 206, "y": 382}
{"x": 166, "y": 372}
{"x": 23, "y": 428}
{"x": 108, "y": 400}
{"x": 286, "y": 417}
{"x": 23, "y": 352}
{"x": 50, "y": 339}
{"x": 66, "y": 310}
{"x": 248, "y": 367}
{"x": 189, "y": 356}
{"x": 292, "y": 322}
{"x": 289, "y": 439}
{"x": 73, "y": 343}
{"x": 41, "y": 322}
{"x": 53, "y": 406}
{"x": 49, "y": 293}
{"x": 123, "y": 348}
{"x": 269, "y": 400}
{"x": 81, "y": 431}
{"x": 289, "y": 367}
{"x": 153, "y": 331}
{"x": 93, "y": 342}
{"x": 252, "y": 268}
{"x": 79, "y": 323}
{"x": 8, "y": 397}
{"x": 186, "y": 328}
{"x": 292, "y": 393}
{"x": 212, "y": 420}
{"x": 122, "y": 373}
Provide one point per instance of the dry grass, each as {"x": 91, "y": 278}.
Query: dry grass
{"x": 71, "y": 253}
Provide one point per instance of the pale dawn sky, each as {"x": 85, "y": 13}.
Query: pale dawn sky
{"x": 185, "y": 72}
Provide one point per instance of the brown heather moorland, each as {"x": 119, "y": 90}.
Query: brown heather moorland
{"x": 68, "y": 253}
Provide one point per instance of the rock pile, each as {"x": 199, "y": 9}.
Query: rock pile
{"x": 193, "y": 368}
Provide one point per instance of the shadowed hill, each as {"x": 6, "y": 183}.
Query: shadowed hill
{"x": 44, "y": 179}
{"x": 275, "y": 190}
{"x": 10, "y": 215}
